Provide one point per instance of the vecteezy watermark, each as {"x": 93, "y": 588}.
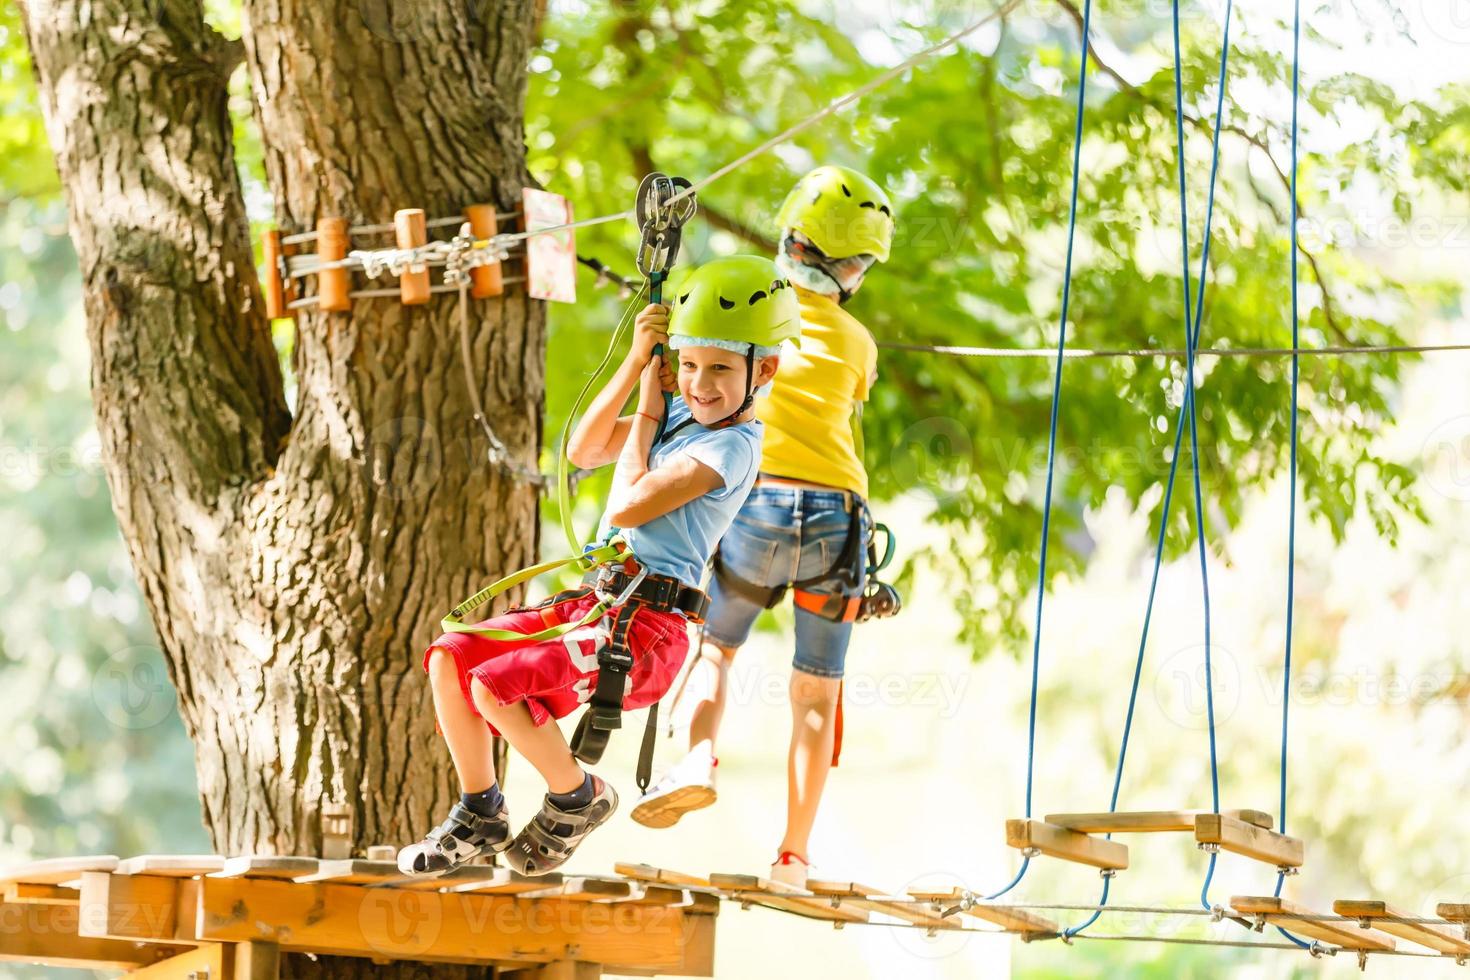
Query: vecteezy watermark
{"x": 940, "y": 942}
{"x": 933, "y": 459}
{"x": 937, "y": 691}
{"x": 1446, "y": 458}
{"x": 405, "y": 457}
{"x": 400, "y": 921}
{"x": 132, "y": 689}
{"x": 1182, "y": 692}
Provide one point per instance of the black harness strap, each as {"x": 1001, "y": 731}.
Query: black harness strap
{"x": 604, "y": 714}
{"x": 770, "y": 596}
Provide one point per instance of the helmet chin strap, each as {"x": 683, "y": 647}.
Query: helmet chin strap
{"x": 800, "y": 253}
{"x": 729, "y": 420}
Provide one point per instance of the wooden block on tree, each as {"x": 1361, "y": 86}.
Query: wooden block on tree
{"x": 662, "y": 876}
{"x": 1385, "y": 916}
{"x": 267, "y": 866}
{"x": 1453, "y": 911}
{"x": 1068, "y": 845}
{"x": 1248, "y": 840}
{"x": 47, "y": 934}
{"x": 1148, "y": 821}
{"x": 784, "y": 898}
{"x": 1280, "y": 912}
{"x": 1008, "y": 918}
{"x": 486, "y": 278}
{"x": 171, "y": 865}
{"x": 54, "y": 871}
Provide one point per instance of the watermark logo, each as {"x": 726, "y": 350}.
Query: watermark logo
{"x": 1181, "y": 691}
{"x": 132, "y": 689}
{"x": 1446, "y": 457}
{"x": 405, "y": 457}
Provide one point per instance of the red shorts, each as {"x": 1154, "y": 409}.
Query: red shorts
{"x": 554, "y": 676}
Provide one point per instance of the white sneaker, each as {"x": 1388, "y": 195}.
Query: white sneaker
{"x": 790, "y": 869}
{"x": 687, "y": 786}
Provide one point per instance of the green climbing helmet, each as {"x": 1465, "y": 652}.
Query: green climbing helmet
{"x": 842, "y": 212}
{"x": 733, "y": 301}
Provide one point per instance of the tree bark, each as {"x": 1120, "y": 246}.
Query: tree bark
{"x": 296, "y": 562}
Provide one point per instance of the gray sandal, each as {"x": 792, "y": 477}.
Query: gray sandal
{"x": 465, "y": 834}
{"x": 545, "y": 844}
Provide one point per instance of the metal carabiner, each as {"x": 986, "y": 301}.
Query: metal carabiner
{"x": 660, "y": 222}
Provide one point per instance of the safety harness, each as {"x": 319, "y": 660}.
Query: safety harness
{"x": 877, "y": 599}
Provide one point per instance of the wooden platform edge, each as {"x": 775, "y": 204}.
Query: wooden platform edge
{"x": 1067, "y": 845}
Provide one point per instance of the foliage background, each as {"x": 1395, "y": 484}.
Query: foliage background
{"x": 976, "y": 145}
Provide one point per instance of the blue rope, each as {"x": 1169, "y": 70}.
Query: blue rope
{"x": 1056, "y": 401}
{"x": 1193, "y": 327}
{"x": 1051, "y": 444}
{"x": 1189, "y": 339}
{"x": 1296, "y": 78}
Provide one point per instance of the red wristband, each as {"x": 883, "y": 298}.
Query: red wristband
{"x": 647, "y": 416}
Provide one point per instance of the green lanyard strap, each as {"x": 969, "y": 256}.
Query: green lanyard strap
{"x": 614, "y": 550}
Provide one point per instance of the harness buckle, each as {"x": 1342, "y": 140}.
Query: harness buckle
{"x": 628, "y": 590}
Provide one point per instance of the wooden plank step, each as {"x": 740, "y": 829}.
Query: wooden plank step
{"x": 266, "y": 866}
{"x": 516, "y": 884}
{"x": 589, "y": 888}
{"x": 661, "y": 876}
{"x": 1439, "y": 938}
{"x": 171, "y": 865}
{"x": 1280, "y": 912}
{"x": 54, "y": 871}
{"x": 1068, "y": 845}
{"x": 784, "y": 898}
{"x": 355, "y": 871}
{"x": 1249, "y": 840}
{"x": 1148, "y": 821}
{"x": 476, "y": 873}
{"x": 853, "y": 895}
{"x": 1453, "y": 911}
{"x": 1009, "y": 919}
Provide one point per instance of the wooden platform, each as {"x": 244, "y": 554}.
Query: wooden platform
{"x": 1249, "y": 840}
{"x": 1280, "y": 912}
{"x": 231, "y": 919}
{"x": 1068, "y": 836}
{"x": 1441, "y": 939}
{"x": 1027, "y": 924}
{"x": 1149, "y": 821}
{"x": 1068, "y": 845}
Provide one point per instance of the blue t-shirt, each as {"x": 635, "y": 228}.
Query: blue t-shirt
{"x": 680, "y": 542}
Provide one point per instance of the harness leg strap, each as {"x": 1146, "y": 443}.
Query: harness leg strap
{"x": 604, "y": 713}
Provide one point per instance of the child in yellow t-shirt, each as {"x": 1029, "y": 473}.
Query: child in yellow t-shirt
{"x": 806, "y": 524}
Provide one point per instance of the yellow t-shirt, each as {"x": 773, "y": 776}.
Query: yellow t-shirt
{"x": 808, "y": 414}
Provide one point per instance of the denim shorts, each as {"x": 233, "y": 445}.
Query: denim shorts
{"x": 784, "y": 535}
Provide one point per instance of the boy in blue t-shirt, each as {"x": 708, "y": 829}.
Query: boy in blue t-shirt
{"x": 671, "y": 500}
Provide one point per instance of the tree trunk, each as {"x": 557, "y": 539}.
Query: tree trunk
{"x": 296, "y": 562}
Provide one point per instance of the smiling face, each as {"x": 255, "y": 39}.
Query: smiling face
{"x": 712, "y": 380}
